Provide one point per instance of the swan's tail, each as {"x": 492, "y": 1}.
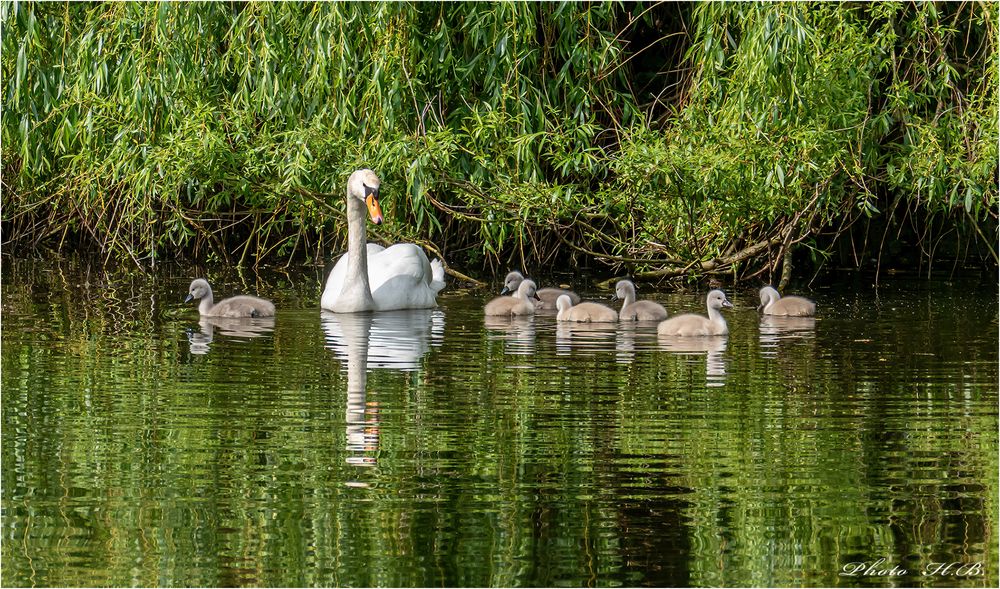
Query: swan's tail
{"x": 437, "y": 275}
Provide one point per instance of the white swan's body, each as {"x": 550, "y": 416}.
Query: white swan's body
{"x": 773, "y": 303}
{"x": 384, "y": 278}
{"x": 633, "y": 310}
{"x": 690, "y": 324}
{"x": 397, "y": 277}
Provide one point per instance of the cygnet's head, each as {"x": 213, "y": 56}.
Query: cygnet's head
{"x": 717, "y": 300}
{"x": 198, "y": 289}
{"x": 623, "y": 288}
{"x": 363, "y": 185}
{"x": 512, "y": 282}
{"x": 526, "y": 290}
{"x": 768, "y": 294}
{"x": 564, "y": 302}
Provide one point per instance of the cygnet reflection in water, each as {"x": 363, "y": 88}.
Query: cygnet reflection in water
{"x": 625, "y": 342}
{"x": 632, "y": 337}
{"x": 574, "y": 338}
{"x": 774, "y": 329}
{"x": 517, "y": 333}
{"x": 713, "y": 347}
{"x": 238, "y": 328}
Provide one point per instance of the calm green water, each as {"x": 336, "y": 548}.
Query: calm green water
{"x": 143, "y": 447}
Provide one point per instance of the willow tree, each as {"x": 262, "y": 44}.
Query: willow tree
{"x": 665, "y": 139}
{"x": 801, "y": 119}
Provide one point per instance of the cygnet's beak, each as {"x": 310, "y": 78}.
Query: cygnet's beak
{"x": 505, "y": 290}
{"x": 373, "y": 208}
{"x": 189, "y": 297}
{"x": 726, "y": 303}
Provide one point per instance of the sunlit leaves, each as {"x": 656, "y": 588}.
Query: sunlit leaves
{"x": 192, "y": 110}
{"x": 492, "y": 124}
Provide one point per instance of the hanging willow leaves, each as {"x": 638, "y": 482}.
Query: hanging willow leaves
{"x": 667, "y": 139}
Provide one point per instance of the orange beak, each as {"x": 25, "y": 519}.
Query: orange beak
{"x": 374, "y": 209}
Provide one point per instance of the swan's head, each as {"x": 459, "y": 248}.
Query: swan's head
{"x": 767, "y": 294}
{"x": 528, "y": 290}
{"x": 512, "y": 282}
{"x": 717, "y": 300}
{"x": 564, "y": 303}
{"x": 198, "y": 289}
{"x": 623, "y": 288}
{"x": 363, "y": 185}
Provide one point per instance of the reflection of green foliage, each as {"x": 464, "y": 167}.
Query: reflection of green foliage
{"x": 127, "y": 461}
{"x": 500, "y": 129}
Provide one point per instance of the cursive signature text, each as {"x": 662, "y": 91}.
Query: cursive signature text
{"x": 879, "y": 568}
{"x": 871, "y": 569}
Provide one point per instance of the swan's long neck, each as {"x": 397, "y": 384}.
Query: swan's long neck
{"x": 207, "y": 302}
{"x": 629, "y": 297}
{"x": 563, "y": 310}
{"x": 357, "y": 291}
{"x": 772, "y": 297}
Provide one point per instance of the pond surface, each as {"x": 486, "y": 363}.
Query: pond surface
{"x": 142, "y": 446}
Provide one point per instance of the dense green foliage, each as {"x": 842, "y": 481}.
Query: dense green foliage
{"x": 668, "y": 138}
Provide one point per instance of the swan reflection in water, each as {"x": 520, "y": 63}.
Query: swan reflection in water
{"x": 518, "y": 333}
{"x": 774, "y": 329}
{"x": 713, "y": 347}
{"x": 242, "y": 328}
{"x": 394, "y": 340}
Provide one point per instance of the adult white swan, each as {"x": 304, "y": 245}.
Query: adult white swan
{"x": 370, "y": 277}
